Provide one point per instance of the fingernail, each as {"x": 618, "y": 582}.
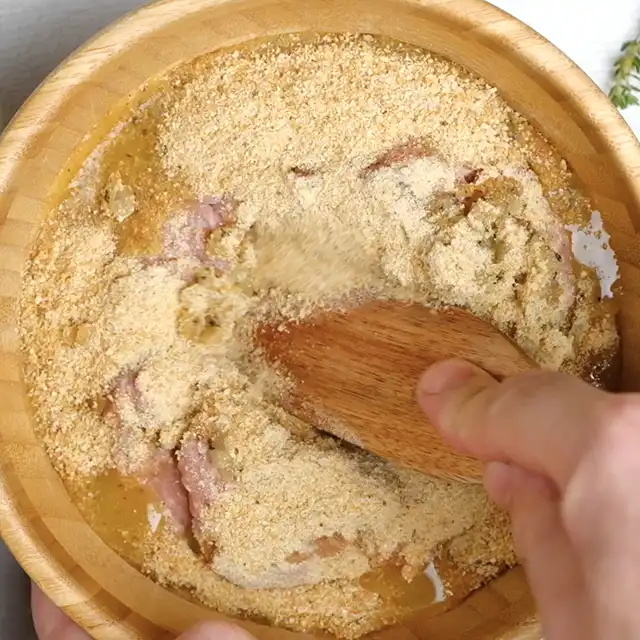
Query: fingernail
{"x": 436, "y": 382}
{"x": 499, "y": 480}
{"x": 445, "y": 376}
{"x": 216, "y": 631}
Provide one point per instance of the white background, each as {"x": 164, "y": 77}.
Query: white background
{"x": 35, "y": 35}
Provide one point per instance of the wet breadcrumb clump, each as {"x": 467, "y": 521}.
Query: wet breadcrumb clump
{"x": 341, "y": 169}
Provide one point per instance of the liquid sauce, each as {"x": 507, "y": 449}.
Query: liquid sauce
{"x": 390, "y": 585}
{"x": 127, "y": 514}
{"x": 123, "y": 511}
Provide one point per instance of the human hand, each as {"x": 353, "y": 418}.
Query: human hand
{"x": 563, "y": 458}
{"x": 52, "y": 623}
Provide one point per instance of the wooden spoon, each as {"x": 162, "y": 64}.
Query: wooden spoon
{"x": 356, "y": 375}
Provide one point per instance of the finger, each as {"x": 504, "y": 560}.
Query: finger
{"x": 50, "y": 622}
{"x": 499, "y": 479}
{"x": 216, "y": 631}
{"x": 602, "y": 517}
{"x": 542, "y": 421}
{"x": 553, "y": 570}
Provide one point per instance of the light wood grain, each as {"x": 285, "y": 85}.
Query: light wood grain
{"x": 51, "y": 132}
{"x": 355, "y": 375}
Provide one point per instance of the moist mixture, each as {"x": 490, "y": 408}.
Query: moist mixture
{"x": 262, "y": 185}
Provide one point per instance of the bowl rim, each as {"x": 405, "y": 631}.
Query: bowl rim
{"x": 31, "y": 119}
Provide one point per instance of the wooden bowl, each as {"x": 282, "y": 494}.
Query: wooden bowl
{"x": 37, "y": 519}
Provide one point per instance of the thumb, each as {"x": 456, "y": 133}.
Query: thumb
{"x": 216, "y": 631}
{"x": 542, "y": 421}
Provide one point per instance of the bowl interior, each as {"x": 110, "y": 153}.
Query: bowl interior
{"x": 57, "y": 128}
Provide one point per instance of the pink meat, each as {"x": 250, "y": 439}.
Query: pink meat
{"x": 200, "y": 478}
{"x": 186, "y": 482}
{"x": 215, "y": 211}
{"x": 325, "y": 547}
{"x": 401, "y": 154}
{"x": 126, "y": 390}
{"x": 126, "y": 387}
{"x": 161, "y": 469}
{"x": 465, "y": 175}
{"x": 186, "y": 236}
{"x": 560, "y": 243}
{"x": 123, "y": 387}
{"x": 164, "y": 477}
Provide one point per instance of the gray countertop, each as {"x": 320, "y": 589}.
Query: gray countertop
{"x": 15, "y": 617}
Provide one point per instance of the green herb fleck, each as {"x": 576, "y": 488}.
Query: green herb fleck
{"x": 626, "y": 76}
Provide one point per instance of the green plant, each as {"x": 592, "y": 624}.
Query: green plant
{"x": 626, "y": 76}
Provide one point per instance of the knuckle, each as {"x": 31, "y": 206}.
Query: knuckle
{"x": 621, "y": 412}
{"x": 462, "y": 414}
{"x": 617, "y": 429}
{"x": 519, "y": 393}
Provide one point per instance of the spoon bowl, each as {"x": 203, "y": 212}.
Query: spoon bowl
{"x": 355, "y": 373}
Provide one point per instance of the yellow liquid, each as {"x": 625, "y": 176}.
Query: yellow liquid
{"x": 402, "y": 599}
{"x": 389, "y": 583}
{"x": 122, "y": 511}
